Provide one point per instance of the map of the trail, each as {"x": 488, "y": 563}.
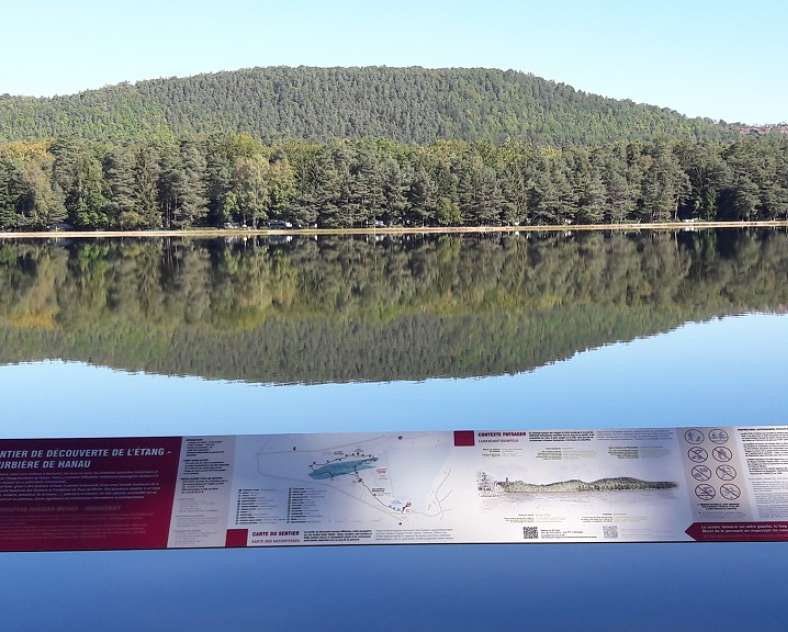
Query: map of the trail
{"x": 385, "y": 480}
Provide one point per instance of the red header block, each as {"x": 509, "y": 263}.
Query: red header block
{"x": 464, "y": 439}
{"x": 236, "y": 538}
{"x": 87, "y": 494}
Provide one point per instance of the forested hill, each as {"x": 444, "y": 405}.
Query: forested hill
{"x": 413, "y": 105}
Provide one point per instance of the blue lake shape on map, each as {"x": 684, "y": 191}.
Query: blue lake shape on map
{"x": 340, "y": 468}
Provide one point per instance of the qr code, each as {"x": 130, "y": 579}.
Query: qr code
{"x": 530, "y": 533}
{"x": 610, "y": 532}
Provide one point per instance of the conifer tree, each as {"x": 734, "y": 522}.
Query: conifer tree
{"x": 121, "y": 209}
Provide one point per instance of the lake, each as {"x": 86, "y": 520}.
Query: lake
{"x": 167, "y": 336}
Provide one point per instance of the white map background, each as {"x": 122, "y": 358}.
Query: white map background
{"x": 381, "y": 480}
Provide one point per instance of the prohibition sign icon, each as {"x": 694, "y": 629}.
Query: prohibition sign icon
{"x": 693, "y": 435}
{"x": 721, "y": 453}
{"x": 726, "y": 472}
{"x": 705, "y": 492}
{"x": 718, "y": 435}
{"x": 700, "y": 473}
{"x": 730, "y": 491}
{"x": 697, "y": 454}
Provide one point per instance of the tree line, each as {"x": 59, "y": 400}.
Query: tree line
{"x": 237, "y": 179}
{"x": 365, "y": 308}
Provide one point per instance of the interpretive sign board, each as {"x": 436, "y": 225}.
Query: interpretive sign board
{"x": 635, "y": 485}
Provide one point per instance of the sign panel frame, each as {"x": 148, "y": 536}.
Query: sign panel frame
{"x": 711, "y": 484}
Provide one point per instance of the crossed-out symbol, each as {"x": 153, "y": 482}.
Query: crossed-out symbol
{"x": 705, "y": 492}
{"x": 730, "y": 491}
{"x": 722, "y": 454}
{"x": 700, "y": 473}
{"x": 697, "y": 454}
{"x": 693, "y": 435}
{"x": 718, "y": 435}
{"x": 726, "y": 472}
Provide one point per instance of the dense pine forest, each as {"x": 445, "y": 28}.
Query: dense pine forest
{"x": 408, "y": 105}
{"x": 334, "y": 147}
{"x": 237, "y": 179}
{"x": 336, "y": 309}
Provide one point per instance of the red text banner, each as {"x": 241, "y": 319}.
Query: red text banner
{"x": 82, "y": 494}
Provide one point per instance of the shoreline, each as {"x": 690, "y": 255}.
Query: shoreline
{"x": 206, "y": 233}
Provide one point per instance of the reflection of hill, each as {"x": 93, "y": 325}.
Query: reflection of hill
{"x": 351, "y": 309}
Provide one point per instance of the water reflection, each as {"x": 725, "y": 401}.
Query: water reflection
{"x": 371, "y": 309}
{"x": 333, "y": 309}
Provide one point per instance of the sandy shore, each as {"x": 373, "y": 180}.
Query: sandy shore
{"x": 413, "y": 230}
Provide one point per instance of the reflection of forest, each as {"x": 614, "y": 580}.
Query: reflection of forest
{"x": 340, "y": 309}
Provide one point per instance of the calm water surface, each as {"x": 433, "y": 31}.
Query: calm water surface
{"x": 161, "y": 337}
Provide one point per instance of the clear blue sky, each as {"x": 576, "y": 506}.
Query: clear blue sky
{"x": 718, "y": 58}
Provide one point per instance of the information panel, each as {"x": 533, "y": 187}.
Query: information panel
{"x": 639, "y": 485}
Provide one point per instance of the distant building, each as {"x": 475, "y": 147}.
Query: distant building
{"x": 762, "y": 130}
